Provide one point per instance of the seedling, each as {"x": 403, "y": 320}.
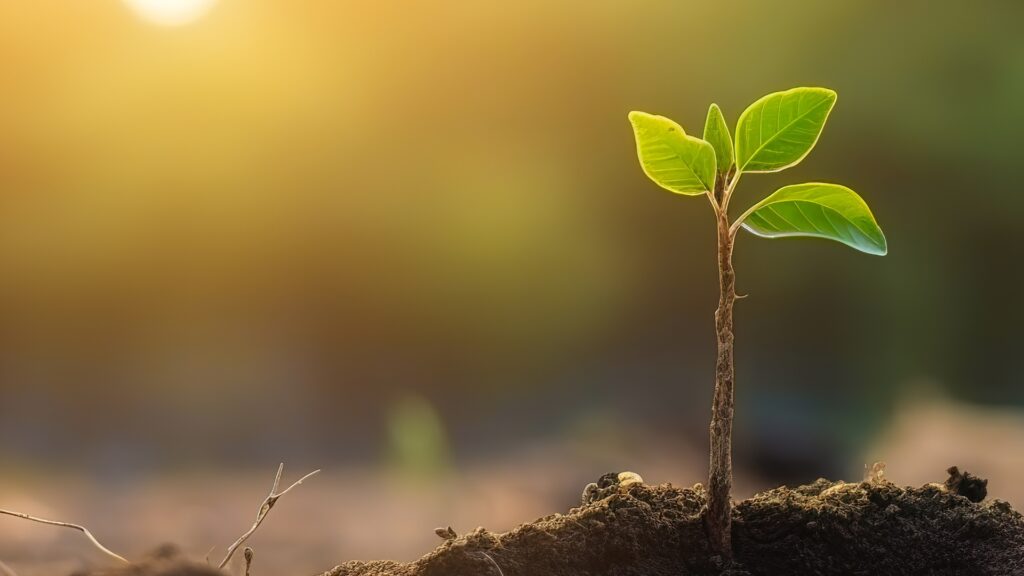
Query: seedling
{"x": 774, "y": 133}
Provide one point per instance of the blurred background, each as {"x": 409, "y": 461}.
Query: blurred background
{"x": 409, "y": 243}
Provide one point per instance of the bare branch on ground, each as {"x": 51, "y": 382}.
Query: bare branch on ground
{"x": 268, "y": 503}
{"x": 81, "y": 529}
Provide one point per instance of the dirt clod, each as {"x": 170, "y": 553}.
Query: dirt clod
{"x": 966, "y": 484}
{"x": 446, "y": 533}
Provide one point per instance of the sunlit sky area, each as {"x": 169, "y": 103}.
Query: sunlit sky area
{"x": 170, "y": 12}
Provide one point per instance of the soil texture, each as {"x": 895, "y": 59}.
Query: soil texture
{"x": 626, "y": 528}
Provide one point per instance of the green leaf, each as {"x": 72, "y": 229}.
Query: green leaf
{"x": 818, "y": 210}
{"x": 716, "y": 133}
{"x": 676, "y": 162}
{"x": 778, "y": 130}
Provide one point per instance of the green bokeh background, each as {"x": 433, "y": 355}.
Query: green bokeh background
{"x": 303, "y": 213}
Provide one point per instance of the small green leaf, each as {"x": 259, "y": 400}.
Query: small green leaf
{"x": 778, "y": 130}
{"x": 818, "y": 210}
{"x": 716, "y": 133}
{"x": 676, "y": 162}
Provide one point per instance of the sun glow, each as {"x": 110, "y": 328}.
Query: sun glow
{"x": 170, "y": 12}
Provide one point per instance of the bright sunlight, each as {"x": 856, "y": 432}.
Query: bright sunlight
{"x": 171, "y": 12}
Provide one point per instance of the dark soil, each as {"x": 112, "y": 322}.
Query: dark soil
{"x": 825, "y": 528}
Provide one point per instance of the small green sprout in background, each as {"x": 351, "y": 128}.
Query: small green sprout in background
{"x": 774, "y": 133}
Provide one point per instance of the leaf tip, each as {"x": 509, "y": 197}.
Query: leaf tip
{"x": 882, "y": 247}
{"x": 829, "y": 94}
{"x": 640, "y": 120}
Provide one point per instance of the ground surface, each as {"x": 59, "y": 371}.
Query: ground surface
{"x": 367, "y": 511}
{"x": 345, "y": 512}
{"x": 819, "y": 529}
{"x": 824, "y": 528}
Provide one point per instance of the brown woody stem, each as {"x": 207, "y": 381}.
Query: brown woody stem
{"x": 719, "y": 512}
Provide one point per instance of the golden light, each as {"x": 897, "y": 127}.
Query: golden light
{"x": 170, "y": 12}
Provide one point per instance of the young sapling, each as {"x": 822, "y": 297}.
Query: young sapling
{"x": 772, "y": 134}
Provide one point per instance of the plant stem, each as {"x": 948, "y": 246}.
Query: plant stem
{"x": 719, "y": 513}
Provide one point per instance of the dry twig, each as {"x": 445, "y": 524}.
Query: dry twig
{"x": 81, "y": 529}
{"x": 268, "y": 503}
{"x": 488, "y": 556}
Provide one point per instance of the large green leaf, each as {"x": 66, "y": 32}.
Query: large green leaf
{"x": 780, "y": 129}
{"x": 675, "y": 161}
{"x": 819, "y": 210}
{"x": 716, "y": 133}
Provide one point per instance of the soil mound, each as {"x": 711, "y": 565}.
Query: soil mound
{"x": 630, "y": 529}
{"x": 824, "y": 528}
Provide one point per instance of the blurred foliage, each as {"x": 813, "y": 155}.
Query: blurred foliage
{"x": 419, "y": 447}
